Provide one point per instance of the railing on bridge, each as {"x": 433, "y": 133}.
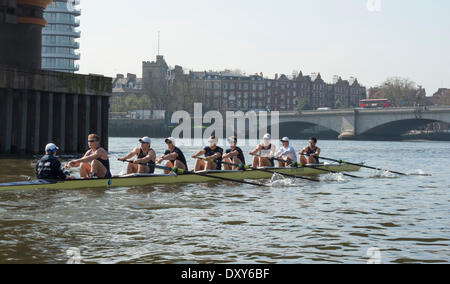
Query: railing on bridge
{"x": 391, "y": 109}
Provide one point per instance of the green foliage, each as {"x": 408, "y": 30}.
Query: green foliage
{"x": 144, "y": 102}
{"x": 301, "y": 105}
{"x": 131, "y": 102}
{"x": 117, "y": 104}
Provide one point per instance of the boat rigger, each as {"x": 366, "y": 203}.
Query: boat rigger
{"x": 157, "y": 179}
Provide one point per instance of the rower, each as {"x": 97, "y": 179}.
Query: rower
{"x": 49, "y": 167}
{"x": 312, "y": 153}
{"x": 213, "y": 156}
{"x": 174, "y": 156}
{"x": 95, "y": 163}
{"x": 146, "y": 157}
{"x": 286, "y": 153}
{"x": 233, "y": 155}
{"x": 264, "y": 153}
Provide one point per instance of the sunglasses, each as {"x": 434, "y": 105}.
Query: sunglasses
{"x": 168, "y": 142}
{"x": 92, "y": 141}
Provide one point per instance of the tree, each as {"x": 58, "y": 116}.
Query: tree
{"x": 131, "y": 101}
{"x": 117, "y": 104}
{"x": 402, "y": 92}
{"x": 301, "y": 105}
{"x": 144, "y": 102}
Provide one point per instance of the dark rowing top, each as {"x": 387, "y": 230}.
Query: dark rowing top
{"x": 210, "y": 152}
{"x": 106, "y": 164}
{"x": 312, "y": 152}
{"x": 240, "y": 155}
{"x": 48, "y": 167}
{"x": 180, "y": 158}
{"x": 150, "y": 164}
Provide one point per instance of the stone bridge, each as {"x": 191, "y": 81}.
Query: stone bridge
{"x": 369, "y": 122}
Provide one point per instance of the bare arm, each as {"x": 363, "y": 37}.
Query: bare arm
{"x": 75, "y": 163}
{"x": 216, "y": 156}
{"x": 97, "y": 155}
{"x": 279, "y": 153}
{"x": 273, "y": 151}
{"x": 257, "y": 149}
{"x": 129, "y": 155}
{"x": 303, "y": 151}
{"x": 231, "y": 154}
{"x": 317, "y": 153}
{"x": 150, "y": 157}
{"x": 168, "y": 157}
{"x": 199, "y": 153}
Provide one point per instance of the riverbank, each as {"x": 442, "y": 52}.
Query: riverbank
{"x": 160, "y": 129}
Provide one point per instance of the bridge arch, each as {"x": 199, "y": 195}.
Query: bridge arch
{"x": 397, "y": 124}
{"x": 397, "y": 128}
{"x": 299, "y": 129}
{"x": 337, "y": 123}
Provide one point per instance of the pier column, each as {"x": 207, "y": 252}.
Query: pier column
{"x": 85, "y": 122}
{"x": 22, "y": 123}
{"x": 7, "y": 120}
{"x": 59, "y": 115}
{"x": 35, "y": 122}
{"x": 72, "y": 123}
{"x": 105, "y": 122}
{"x": 50, "y": 118}
{"x": 99, "y": 120}
{"x": 75, "y": 126}
{"x": 46, "y": 128}
{"x": 87, "y": 116}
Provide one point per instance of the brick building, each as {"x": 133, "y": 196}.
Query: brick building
{"x": 441, "y": 97}
{"x": 231, "y": 91}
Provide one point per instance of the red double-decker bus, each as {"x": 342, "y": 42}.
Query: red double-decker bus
{"x": 375, "y": 103}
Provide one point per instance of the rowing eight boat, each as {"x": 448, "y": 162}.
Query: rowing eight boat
{"x": 153, "y": 179}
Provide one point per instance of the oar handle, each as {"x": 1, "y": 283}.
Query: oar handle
{"x": 241, "y": 166}
{"x": 175, "y": 170}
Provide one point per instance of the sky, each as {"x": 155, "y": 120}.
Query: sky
{"x": 371, "y": 40}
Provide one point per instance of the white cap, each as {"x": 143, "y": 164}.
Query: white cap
{"x": 50, "y": 148}
{"x": 267, "y": 136}
{"x": 213, "y": 139}
{"x": 232, "y": 139}
{"x": 171, "y": 139}
{"x": 145, "y": 140}
{"x": 285, "y": 139}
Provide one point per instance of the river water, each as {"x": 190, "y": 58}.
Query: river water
{"x": 340, "y": 220}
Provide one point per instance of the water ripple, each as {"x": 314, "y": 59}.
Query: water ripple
{"x": 293, "y": 221}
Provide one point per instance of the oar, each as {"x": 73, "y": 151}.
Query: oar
{"x": 313, "y": 167}
{"x": 364, "y": 166}
{"x": 183, "y": 172}
{"x": 245, "y": 167}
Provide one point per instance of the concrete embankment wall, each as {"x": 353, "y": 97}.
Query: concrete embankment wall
{"x": 160, "y": 129}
